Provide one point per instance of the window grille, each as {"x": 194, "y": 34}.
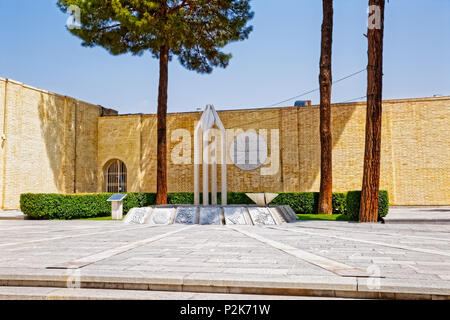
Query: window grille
{"x": 116, "y": 177}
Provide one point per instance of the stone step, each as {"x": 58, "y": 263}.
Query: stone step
{"x": 418, "y": 215}
{"x": 207, "y": 284}
{"x": 12, "y": 215}
{"x": 49, "y": 293}
{"x": 417, "y": 221}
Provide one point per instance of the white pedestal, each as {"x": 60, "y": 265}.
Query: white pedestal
{"x": 117, "y": 210}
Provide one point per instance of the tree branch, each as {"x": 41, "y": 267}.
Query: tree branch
{"x": 109, "y": 27}
{"x": 183, "y": 4}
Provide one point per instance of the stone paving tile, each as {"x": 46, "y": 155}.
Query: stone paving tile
{"x": 389, "y": 264}
{"x": 223, "y": 253}
{"x": 108, "y": 294}
{"x": 433, "y": 263}
{"x": 424, "y": 214}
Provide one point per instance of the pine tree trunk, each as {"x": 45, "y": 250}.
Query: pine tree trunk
{"x": 371, "y": 179}
{"x": 325, "y": 81}
{"x": 161, "y": 188}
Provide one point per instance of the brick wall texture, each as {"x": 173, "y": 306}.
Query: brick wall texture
{"x": 61, "y": 145}
{"x": 51, "y": 143}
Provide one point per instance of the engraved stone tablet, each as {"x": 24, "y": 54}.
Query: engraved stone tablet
{"x": 277, "y": 216}
{"x": 162, "y": 216}
{"x": 261, "y": 216}
{"x": 186, "y": 215}
{"x": 289, "y": 213}
{"x": 210, "y": 215}
{"x": 281, "y": 214}
{"x": 235, "y": 216}
{"x": 137, "y": 215}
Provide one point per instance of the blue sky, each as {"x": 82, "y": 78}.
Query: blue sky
{"x": 278, "y": 61}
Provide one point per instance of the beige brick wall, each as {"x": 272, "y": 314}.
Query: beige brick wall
{"x": 2, "y": 143}
{"x": 421, "y": 151}
{"x": 415, "y": 149}
{"x": 58, "y": 144}
{"x": 123, "y": 142}
{"x": 44, "y": 133}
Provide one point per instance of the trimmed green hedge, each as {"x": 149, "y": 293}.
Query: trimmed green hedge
{"x": 308, "y": 202}
{"x": 301, "y": 203}
{"x": 188, "y": 198}
{"x": 80, "y": 206}
{"x": 354, "y": 201}
{"x": 76, "y": 206}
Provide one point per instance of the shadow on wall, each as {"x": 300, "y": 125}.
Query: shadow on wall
{"x": 299, "y": 144}
{"x": 299, "y": 155}
{"x": 86, "y": 141}
{"x": 348, "y": 148}
{"x": 148, "y": 178}
{"x": 69, "y": 130}
{"x": 120, "y": 138}
{"x": 56, "y": 136}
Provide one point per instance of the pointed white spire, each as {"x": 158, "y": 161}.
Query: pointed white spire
{"x": 207, "y": 121}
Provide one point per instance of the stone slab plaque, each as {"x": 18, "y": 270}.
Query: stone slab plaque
{"x": 281, "y": 214}
{"x": 261, "y": 216}
{"x": 186, "y": 215}
{"x": 162, "y": 216}
{"x": 235, "y": 216}
{"x": 210, "y": 215}
{"x": 277, "y": 215}
{"x": 289, "y": 213}
{"x": 138, "y": 216}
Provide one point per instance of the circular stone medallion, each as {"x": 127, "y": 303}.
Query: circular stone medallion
{"x": 248, "y": 151}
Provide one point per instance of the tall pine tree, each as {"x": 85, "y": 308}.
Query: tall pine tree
{"x": 194, "y": 30}
{"x": 325, "y": 81}
{"x": 372, "y": 156}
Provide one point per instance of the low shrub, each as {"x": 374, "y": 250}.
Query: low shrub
{"x": 188, "y": 198}
{"x": 301, "y": 203}
{"x": 181, "y": 198}
{"x": 354, "y": 201}
{"x": 74, "y": 206}
{"x": 308, "y": 202}
{"x": 147, "y": 199}
{"x": 238, "y": 198}
{"x": 339, "y": 203}
{"x": 80, "y": 206}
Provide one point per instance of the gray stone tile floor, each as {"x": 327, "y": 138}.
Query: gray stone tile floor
{"x": 43, "y": 293}
{"x": 406, "y": 258}
{"x": 419, "y": 214}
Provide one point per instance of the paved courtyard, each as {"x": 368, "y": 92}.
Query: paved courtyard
{"x": 305, "y": 258}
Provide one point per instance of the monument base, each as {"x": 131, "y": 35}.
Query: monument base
{"x": 211, "y": 215}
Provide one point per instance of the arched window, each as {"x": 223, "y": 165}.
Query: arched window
{"x": 116, "y": 176}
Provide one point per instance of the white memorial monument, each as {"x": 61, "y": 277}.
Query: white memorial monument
{"x": 204, "y": 132}
{"x": 210, "y": 149}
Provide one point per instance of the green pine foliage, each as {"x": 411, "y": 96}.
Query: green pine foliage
{"x": 194, "y": 30}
